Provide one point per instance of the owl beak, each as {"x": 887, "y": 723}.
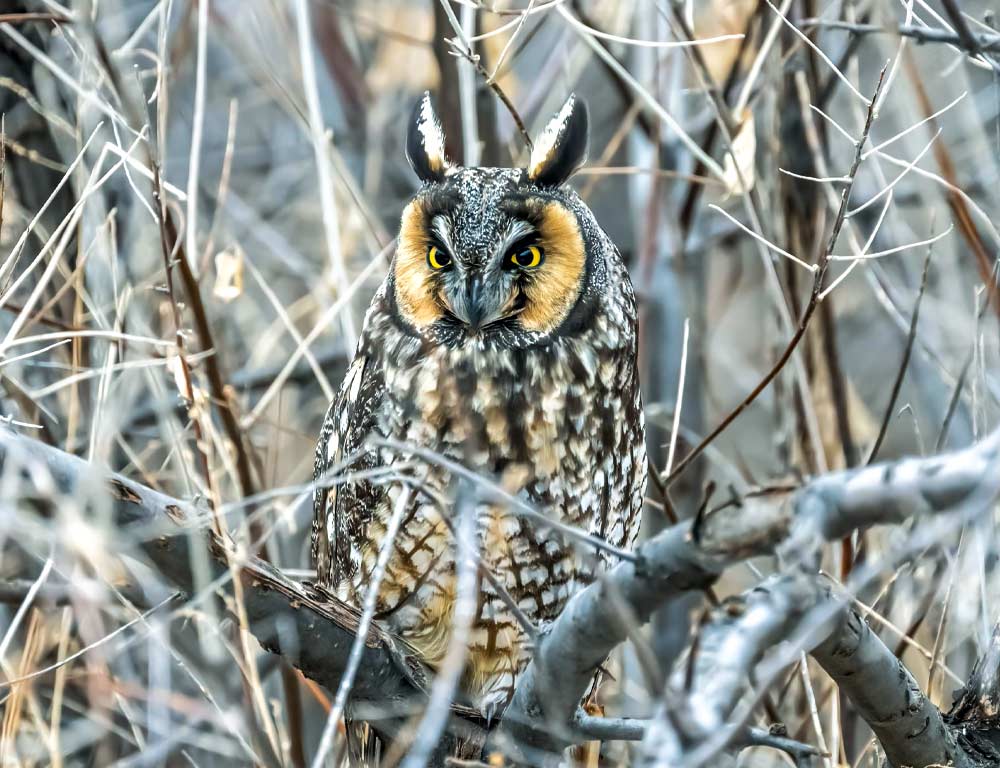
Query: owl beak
{"x": 475, "y": 311}
{"x": 473, "y": 304}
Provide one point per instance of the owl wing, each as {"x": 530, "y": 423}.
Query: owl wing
{"x": 341, "y": 511}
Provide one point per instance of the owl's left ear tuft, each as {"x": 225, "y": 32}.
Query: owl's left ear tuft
{"x": 425, "y": 142}
{"x": 562, "y": 147}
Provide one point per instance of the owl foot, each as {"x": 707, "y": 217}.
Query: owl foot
{"x": 493, "y": 705}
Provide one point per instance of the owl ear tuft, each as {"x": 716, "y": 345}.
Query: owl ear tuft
{"x": 425, "y": 142}
{"x": 561, "y": 147}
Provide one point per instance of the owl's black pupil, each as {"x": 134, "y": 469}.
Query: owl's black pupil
{"x": 520, "y": 257}
{"x": 438, "y": 257}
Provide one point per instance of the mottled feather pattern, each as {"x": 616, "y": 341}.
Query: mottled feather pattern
{"x": 552, "y": 413}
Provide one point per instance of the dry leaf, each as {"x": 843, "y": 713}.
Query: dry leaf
{"x": 723, "y": 17}
{"x": 741, "y": 171}
{"x": 228, "y": 273}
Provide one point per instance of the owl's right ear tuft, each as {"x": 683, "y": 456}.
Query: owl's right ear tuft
{"x": 425, "y": 142}
{"x": 561, "y": 148}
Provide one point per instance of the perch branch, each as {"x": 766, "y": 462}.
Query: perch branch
{"x": 314, "y": 631}
{"x": 690, "y": 556}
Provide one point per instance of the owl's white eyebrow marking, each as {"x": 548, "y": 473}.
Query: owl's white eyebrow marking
{"x": 517, "y": 230}
{"x": 441, "y": 227}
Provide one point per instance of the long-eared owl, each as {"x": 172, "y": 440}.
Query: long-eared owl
{"x": 503, "y": 338}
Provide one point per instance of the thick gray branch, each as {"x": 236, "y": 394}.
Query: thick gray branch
{"x": 834, "y": 505}
{"x": 907, "y": 724}
{"x": 593, "y": 623}
{"x": 694, "y": 731}
{"x": 682, "y": 558}
{"x": 806, "y": 613}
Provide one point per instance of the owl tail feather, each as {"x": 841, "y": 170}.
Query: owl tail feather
{"x": 367, "y": 749}
{"x": 364, "y": 746}
{"x": 588, "y": 754}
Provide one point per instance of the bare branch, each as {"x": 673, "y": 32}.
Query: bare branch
{"x": 812, "y": 615}
{"x": 815, "y": 296}
{"x": 745, "y": 628}
{"x": 312, "y": 630}
{"x": 690, "y": 556}
{"x": 907, "y": 724}
{"x": 975, "y": 43}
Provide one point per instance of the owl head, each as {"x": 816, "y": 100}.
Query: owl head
{"x": 502, "y": 256}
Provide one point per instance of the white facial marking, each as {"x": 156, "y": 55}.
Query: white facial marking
{"x": 516, "y": 231}
{"x": 440, "y": 226}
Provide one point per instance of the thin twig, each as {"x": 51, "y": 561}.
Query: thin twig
{"x": 904, "y": 363}
{"x": 978, "y": 43}
{"x": 807, "y": 314}
{"x": 462, "y": 47}
{"x": 969, "y": 41}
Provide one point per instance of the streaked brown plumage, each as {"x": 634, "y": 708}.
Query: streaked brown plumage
{"x": 503, "y": 338}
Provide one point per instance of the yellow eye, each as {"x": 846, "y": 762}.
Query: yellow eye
{"x": 437, "y": 258}
{"x": 528, "y": 258}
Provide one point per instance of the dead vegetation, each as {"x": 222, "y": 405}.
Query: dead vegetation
{"x": 199, "y": 199}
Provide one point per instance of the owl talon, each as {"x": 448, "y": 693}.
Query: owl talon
{"x": 493, "y": 708}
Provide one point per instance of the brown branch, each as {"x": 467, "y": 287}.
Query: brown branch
{"x": 213, "y": 369}
{"x": 956, "y": 201}
{"x": 457, "y": 48}
{"x": 175, "y": 255}
{"x": 168, "y": 263}
{"x": 814, "y": 299}
{"x": 20, "y": 18}
{"x": 904, "y": 363}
